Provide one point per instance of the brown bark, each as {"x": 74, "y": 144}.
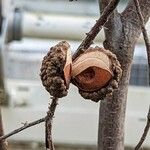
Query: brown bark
{"x": 3, "y": 143}
{"x": 96, "y": 28}
{"x": 121, "y": 36}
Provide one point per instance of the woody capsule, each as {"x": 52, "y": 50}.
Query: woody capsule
{"x": 96, "y": 73}
{"x": 56, "y": 69}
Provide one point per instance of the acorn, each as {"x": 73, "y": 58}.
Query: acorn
{"x": 95, "y": 72}
{"x": 56, "y": 69}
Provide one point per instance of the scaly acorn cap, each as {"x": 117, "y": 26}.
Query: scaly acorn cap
{"x": 96, "y": 73}
{"x": 56, "y": 69}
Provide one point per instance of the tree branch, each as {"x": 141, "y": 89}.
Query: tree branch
{"x": 145, "y": 132}
{"x": 96, "y": 28}
{"x": 25, "y": 126}
{"x": 48, "y": 123}
{"x": 144, "y": 32}
{"x": 131, "y": 15}
{"x": 3, "y": 143}
{"x": 147, "y": 43}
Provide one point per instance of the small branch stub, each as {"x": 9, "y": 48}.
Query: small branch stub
{"x": 56, "y": 69}
{"x": 96, "y": 73}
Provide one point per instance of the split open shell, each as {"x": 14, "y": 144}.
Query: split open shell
{"x": 94, "y": 73}
{"x": 92, "y": 70}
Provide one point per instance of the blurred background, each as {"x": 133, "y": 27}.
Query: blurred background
{"x": 28, "y": 29}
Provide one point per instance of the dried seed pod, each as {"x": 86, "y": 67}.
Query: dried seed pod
{"x": 96, "y": 73}
{"x": 56, "y": 69}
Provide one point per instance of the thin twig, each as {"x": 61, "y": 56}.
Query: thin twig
{"x": 3, "y": 143}
{"x": 147, "y": 44}
{"x": 47, "y": 119}
{"x": 48, "y": 123}
{"x": 144, "y": 32}
{"x": 144, "y": 133}
{"x": 25, "y": 126}
{"x": 96, "y": 28}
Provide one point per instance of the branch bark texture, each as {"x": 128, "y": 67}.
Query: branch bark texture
{"x": 144, "y": 32}
{"x": 147, "y": 44}
{"x": 3, "y": 143}
{"x": 121, "y": 35}
{"x": 25, "y": 126}
{"x": 96, "y": 28}
{"x": 48, "y": 124}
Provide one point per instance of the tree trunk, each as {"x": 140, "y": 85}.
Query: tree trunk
{"x": 121, "y": 35}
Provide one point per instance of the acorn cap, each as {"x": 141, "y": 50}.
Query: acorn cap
{"x": 55, "y": 70}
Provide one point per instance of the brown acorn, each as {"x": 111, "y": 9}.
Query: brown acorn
{"x": 56, "y": 69}
{"x": 94, "y": 73}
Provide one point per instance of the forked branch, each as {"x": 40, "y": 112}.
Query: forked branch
{"x": 48, "y": 125}
{"x": 96, "y": 28}
{"x": 25, "y": 126}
